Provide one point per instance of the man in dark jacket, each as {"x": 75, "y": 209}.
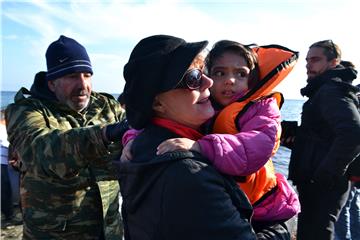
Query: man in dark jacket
{"x": 348, "y": 224}
{"x": 326, "y": 142}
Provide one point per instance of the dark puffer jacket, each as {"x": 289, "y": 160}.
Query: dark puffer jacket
{"x": 178, "y": 195}
{"x": 327, "y": 140}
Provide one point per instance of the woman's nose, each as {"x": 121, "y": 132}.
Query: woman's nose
{"x": 206, "y": 83}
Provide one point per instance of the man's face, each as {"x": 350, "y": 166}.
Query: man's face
{"x": 317, "y": 63}
{"x": 73, "y": 90}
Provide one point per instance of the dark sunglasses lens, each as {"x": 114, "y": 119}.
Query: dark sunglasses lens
{"x": 193, "y": 79}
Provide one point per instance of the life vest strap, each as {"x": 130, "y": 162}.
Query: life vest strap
{"x": 227, "y": 119}
{"x": 266, "y": 195}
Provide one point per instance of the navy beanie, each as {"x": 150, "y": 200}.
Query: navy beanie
{"x": 66, "y": 56}
{"x": 156, "y": 65}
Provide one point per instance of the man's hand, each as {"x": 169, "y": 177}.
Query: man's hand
{"x": 288, "y": 133}
{"x": 114, "y": 132}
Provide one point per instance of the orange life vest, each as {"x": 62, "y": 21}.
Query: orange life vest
{"x": 256, "y": 185}
{"x": 275, "y": 63}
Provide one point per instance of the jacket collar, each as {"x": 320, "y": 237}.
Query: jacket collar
{"x": 40, "y": 89}
{"x": 338, "y": 74}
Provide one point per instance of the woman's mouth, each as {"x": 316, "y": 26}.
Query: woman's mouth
{"x": 202, "y": 101}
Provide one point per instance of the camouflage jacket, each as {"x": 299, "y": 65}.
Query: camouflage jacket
{"x": 69, "y": 188}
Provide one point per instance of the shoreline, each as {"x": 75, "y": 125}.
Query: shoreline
{"x": 13, "y": 231}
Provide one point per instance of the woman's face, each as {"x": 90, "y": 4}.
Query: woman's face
{"x": 188, "y": 107}
{"x": 230, "y": 73}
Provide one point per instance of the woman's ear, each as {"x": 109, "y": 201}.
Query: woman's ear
{"x": 157, "y": 106}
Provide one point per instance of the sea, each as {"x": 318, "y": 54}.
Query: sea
{"x": 291, "y": 111}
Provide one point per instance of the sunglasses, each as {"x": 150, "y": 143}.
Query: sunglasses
{"x": 192, "y": 79}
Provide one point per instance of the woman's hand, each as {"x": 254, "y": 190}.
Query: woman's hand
{"x": 126, "y": 153}
{"x": 177, "y": 144}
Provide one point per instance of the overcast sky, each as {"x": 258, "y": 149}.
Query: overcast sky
{"x": 110, "y": 29}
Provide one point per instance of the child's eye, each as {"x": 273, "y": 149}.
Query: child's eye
{"x": 242, "y": 74}
{"x": 217, "y": 74}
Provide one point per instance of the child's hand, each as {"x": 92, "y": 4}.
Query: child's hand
{"x": 126, "y": 153}
{"x": 177, "y": 144}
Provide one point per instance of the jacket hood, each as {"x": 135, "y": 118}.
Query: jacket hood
{"x": 139, "y": 176}
{"x": 347, "y": 74}
{"x": 340, "y": 75}
{"x": 40, "y": 89}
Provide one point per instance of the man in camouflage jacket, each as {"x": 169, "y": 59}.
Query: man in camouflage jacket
{"x": 66, "y": 137}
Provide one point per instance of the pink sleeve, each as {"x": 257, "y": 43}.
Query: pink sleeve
{"x": 130, "y": 135}
{"x": 247, "y": 151}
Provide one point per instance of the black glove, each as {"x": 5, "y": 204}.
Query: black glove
{"x": 114, "y": 132}
{"x": 288, "y": 133}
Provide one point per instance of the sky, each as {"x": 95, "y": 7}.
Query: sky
{"x": 110, "y": 29}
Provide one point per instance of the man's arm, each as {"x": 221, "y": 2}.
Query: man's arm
{"x": 343, "y": 118}
{"x": 43, "y": 145}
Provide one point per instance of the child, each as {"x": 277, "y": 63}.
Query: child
{"x": 245, "y": 154}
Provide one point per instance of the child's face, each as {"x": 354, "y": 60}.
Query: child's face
{"x": 230, "y": 73}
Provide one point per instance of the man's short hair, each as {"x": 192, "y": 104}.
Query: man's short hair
{"x": 331, "y": 50}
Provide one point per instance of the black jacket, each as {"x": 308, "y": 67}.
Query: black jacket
{"x": 328, "y": 139}
{"x": 179, "y": 195}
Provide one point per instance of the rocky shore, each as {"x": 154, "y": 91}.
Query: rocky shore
{"x": 11, "y": 231}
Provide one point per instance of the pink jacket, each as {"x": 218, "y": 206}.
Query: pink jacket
{"x": 247, "y": 151}
{"x": 281, "y": 205}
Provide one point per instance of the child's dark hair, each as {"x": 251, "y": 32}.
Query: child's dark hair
{"x": 220, "y": 47}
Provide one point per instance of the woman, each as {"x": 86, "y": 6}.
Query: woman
{"x": 177, "y": 195}
{"x": 246, "y": 152}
